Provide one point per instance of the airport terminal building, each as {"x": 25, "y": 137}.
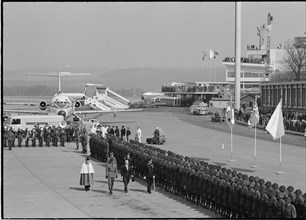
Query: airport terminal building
{"x": 293, "y": 96}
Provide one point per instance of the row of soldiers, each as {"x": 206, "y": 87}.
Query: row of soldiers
{"x": 222, "y": 190}
{"x": 47, "y": 134}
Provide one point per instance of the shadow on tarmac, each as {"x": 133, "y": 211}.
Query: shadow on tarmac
{"x": 138, "y": 190}
{"x": 77, "y": 188}
{"x": 100, "y": 191}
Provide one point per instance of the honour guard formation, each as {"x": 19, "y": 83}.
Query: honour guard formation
{"x": 228, "y": 193}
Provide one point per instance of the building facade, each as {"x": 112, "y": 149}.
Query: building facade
{"x": 293, "y": 96}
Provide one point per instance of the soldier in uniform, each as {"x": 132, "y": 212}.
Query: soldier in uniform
{"x": 48, "y": 136}
{"x": 19, "y": 136}
{"x": 62, "y": 136}
{"x": 5, "y": 135}
{"x": 33, "y": 137}
{"x": 289, "y": 209}
{"x": 84, "y": 140}
{"x": 11, "y": 139}
{"x": 76, "y": 136}
{"x": 27, "y": 136}
{"x": 298, "y": 203}
{"x": 56, "y": 135}
{"x": 39, "y": 136}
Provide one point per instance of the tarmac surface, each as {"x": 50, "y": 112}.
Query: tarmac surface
{"x": 44, "y": 182}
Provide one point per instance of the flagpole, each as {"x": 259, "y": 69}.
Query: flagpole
{"x": 215, "y": 72}
{"x": 280, "y": 157}
{"x": 209, "y": 71}
{"x": 255, "y": 165}
{"x": 231, "y": 160}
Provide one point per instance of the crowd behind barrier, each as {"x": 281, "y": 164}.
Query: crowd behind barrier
{"x": 292, "y": 121}
{"x": 229, "y": 193}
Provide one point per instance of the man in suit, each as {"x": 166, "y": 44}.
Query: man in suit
{"x": 126, "y": 174}
{"x": 149, "y": 175}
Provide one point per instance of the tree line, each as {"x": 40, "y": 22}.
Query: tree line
{"x": 43, "y": 90}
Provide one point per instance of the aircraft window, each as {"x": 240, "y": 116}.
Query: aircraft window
{"x": 16, "y": 121}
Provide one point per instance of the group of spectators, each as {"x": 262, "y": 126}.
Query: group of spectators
{"x": 222, "y": 190}
{"x": 292, "y": 121}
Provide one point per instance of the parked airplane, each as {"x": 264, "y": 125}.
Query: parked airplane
{"x": 66, "y": 104}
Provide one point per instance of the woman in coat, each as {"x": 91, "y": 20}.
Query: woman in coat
{"x": 87, "y": 172}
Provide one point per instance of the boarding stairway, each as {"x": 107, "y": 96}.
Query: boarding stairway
{"x": 106, "y": 99}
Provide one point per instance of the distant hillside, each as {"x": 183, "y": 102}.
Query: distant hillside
{"x": 143, "y": 79}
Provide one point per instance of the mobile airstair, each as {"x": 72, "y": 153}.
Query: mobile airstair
{"x": 105, "y": 99}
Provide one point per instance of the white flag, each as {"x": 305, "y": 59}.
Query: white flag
{"x": 275, "y": 125}
{"x": 211, "y": 54}
{"x": 230, "y": 116}
{"x": 254, "y": 119}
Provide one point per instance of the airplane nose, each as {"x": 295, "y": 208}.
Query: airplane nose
{"x": 63, "y": 113}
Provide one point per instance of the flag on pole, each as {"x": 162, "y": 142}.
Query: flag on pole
{"x": 254, "y": 119}
{"x": 230, "y": 117}
{"x": 275, "y": 125}
{"x": 216, "y": 54}
{"x": 204, "y": 55}
{"x": 211, "y": 54}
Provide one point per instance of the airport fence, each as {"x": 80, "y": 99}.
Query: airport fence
{"x": 224, "y": 191}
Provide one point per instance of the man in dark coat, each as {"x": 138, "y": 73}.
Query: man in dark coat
{"x": 123, "y": 132}
{"x": 117, "y": 132}
{"x": 126, "y": 174}
{"x": 128, "y": 133}
{"x": 149, "y": 175}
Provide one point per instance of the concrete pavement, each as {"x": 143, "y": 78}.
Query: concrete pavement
{"x": 44, "y": 183}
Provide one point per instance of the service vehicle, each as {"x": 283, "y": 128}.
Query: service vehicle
{"x": 28, "y": 121}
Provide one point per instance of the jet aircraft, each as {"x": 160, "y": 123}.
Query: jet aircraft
{"x": 66, "y": 104}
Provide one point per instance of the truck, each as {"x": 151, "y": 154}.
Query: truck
{"x": 28, "y": 121}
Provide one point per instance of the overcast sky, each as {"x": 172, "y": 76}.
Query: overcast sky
{"x": 124, "y": 35}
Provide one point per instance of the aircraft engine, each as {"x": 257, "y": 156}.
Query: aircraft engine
{"x": 43, "y": 105}
{"x": 77, "y": 104}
